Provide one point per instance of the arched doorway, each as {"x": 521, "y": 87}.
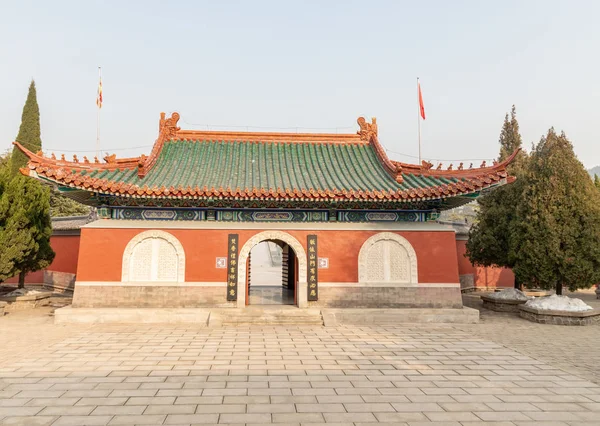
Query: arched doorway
{"x": 271, "y": 274}
{"x": 282, "y": 239}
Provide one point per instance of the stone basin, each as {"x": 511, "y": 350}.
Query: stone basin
{"x": 16, "y": 303}
{"x": 546, "y": 316}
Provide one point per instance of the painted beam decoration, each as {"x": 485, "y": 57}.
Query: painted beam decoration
{"x": 232, "y": 267}
{"x": 172, "y": 213}
{"x": 312, "y": 276}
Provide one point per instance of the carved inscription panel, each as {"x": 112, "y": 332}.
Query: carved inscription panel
{"x": 141, "y": 261}
{"x": 387, "y": 258}
{"x": 154, "y": 259}
{"x": 376, "y": 262}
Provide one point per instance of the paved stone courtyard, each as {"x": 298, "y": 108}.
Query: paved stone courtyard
{"x": 405, "y": 375}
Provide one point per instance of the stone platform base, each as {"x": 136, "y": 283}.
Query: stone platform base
{"x": 560, "y": 317}
{"x": 501, "y": 305}
{"x": 464, "y": 315}
{"x": 72, "y": 315}
{"x": 286, "y": 315}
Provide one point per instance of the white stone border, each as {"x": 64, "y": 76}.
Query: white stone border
{"x": 151, "y": 284}
{"x": 387, "y": 284}
{"x": 385, "y": 236}
{"x": 153, "y": 233}
{"x": 302, "y": 287}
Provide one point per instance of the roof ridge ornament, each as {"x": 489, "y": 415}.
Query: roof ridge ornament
{"x": 367, "y": 130}
{"x": 167, "y": 127}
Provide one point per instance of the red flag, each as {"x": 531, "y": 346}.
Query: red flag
{"x": 99, "y": 96}
{"x": 421, "y": 105}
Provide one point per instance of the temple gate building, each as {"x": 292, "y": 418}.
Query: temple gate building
{"x": 177, "y": 227}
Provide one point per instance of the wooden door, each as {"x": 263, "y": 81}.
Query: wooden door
{"x": 296, "y": 286}
{"x": 247, "y": 289}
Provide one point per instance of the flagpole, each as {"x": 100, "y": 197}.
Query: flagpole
{"x": 98, "y": 119}
{"x": 419, "y": 118}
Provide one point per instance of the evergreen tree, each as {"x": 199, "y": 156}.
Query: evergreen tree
{"x": 510, "y": 138}
{"x": 25, "y": 227}
{"x": 555, "y": 241}
{"x": 30, "y": 137}
{"x": 61, "y": 206}
{"x": 29, "y": 133}
{"x": 488, "y": 243}
{"x": 597, "y": 182}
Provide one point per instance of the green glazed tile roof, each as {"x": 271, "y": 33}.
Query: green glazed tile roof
{"x": 264, "y": 165}
{"x": 267, "y": 166}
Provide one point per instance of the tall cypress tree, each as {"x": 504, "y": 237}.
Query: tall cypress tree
{"x": 30, "y": 137}
{"x": 510, "y": 138}
{"x": 488, "y": 243}
{"x": 597, "y": 182}
{"x": 29, "y": 133}
{"x": 555, "y": 242}
{"x": 25, "y": 226}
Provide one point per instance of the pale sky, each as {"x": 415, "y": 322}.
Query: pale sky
{"x": 310, "y": 65}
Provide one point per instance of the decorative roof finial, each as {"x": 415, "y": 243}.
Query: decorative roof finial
{"x": 167, "y": 127}
{"x": 426, "y": 165}
{"x": 367, "y": 130}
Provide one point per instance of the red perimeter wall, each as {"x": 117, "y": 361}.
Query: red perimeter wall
{"x": 102, "y": 250}
{"x": 101, "y": 253}
{"x": 66, "y": 248}
{"x": 482, "y": 276}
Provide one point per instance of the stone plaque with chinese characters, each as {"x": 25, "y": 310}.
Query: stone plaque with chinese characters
{"x": 232, "y": 266}
{"x": 323, "y": 262}
{"x": 312, "y": 276}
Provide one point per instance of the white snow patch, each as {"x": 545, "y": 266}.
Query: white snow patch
{"x": 509, "y": 294}
{"x": 21, "y": 292}
{"x": 558, "y": 303}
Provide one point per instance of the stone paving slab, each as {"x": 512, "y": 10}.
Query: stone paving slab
{"x": 571, "y": 348}
{"x": 503, "y": 371}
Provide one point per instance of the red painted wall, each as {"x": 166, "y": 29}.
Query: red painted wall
{"x": 66, "y": 248}
{"x": 101, "y": 253}
{"x": 482, "y": 276}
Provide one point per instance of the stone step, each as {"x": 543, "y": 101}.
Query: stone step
{"x": 271, "y": 323}
{"x": 289, "y": 315}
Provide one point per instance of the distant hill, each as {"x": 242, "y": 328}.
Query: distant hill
{"x": 594, "y": 171}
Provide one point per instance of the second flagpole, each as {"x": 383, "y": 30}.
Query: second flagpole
{"x": 419, "y": 117}
{"x": 98, "y": 107}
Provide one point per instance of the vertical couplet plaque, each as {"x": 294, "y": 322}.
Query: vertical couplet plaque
{"x": 232, "y": 266}
{"x": 312, "y": 276}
